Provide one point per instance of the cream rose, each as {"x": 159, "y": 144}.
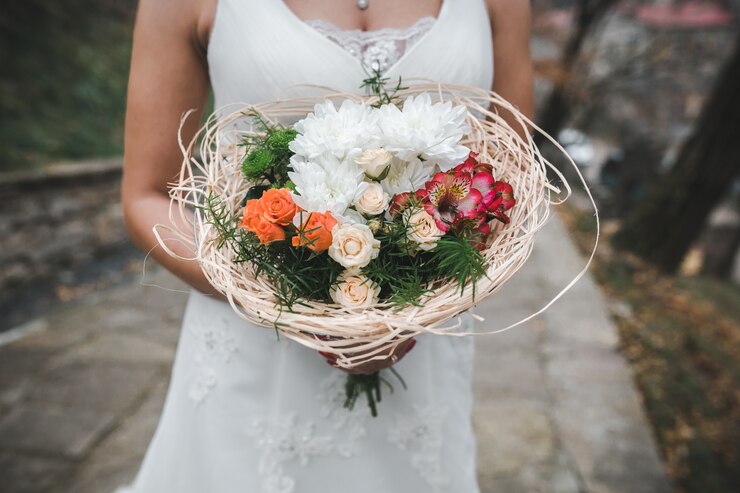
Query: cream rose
{"x": 353, "y": 289}
{"x": 374, "y": 161}
{"x": 373, "y": 201}
{"x": 422, "y": 229}
{"x": 353, "y": 245}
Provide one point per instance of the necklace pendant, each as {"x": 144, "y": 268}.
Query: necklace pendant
{"x": 362, "y": 4}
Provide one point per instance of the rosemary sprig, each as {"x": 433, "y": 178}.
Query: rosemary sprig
{"x": 375, "y": 85}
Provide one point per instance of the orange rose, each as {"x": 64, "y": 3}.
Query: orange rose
{"x": 315, "y": 232}
{"x": 267, "y": 231}
{"x": 255, "y": 220}
{"x": 252, "y": 212}
{"x": 278, "y": 206}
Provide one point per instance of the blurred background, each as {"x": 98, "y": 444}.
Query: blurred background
{"x": 630, "y": 384}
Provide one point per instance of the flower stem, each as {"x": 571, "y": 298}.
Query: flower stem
{"x": 369, "y": 385}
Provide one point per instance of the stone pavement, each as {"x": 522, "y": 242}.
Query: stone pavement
{"x": 556, "y": 407}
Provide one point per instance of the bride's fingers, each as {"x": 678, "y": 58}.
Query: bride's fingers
{"x": 409, "y": 346}
{"x": 374, "y": 365}
{"x": 393, "y": 358}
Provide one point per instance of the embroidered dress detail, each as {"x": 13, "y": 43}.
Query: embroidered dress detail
{"x": 289, "y": 441}
{"x": 282, "y": 442}
{"x": 377, "y": 49}
{"x": 420, "y": 435}
{"x": 215, "y": 347}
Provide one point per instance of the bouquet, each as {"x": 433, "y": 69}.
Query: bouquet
{"x": 364, "y": 221}
{"x": 357, "y": 206}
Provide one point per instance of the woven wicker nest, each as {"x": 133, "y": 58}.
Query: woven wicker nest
{"x": 358, "y": 335}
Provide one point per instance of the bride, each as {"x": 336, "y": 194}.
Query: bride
{"x": 246, "y": 411}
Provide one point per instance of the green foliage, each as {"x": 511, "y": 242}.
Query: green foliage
{"x": 258, "y": 164}
{"x": 357, "y": 385}
{"x": 400, "y": 271}
{"x": 268, "y": 159}
{"x": 296, "y": 273}
{"x": 219, "y": 216}
{"x": 375, "y": 85}
{"x": 63, "y": 75}
{"x": 456, "y": 257}
{"x": 406, "y": 274}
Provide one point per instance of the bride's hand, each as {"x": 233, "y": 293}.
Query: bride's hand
{"x": 392, "y": 357}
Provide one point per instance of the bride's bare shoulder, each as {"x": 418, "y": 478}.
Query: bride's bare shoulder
{"x": 514, "y": 13}
{"x": 191, "y": 18}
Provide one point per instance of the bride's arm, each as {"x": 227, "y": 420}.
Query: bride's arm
{"x": 168, "y": 76}
{"x": 513, "y": 77}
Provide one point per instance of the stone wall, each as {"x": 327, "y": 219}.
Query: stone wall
{"x": 57, "y": 218}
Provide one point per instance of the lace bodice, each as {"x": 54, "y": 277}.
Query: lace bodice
{"x": 378, "y": 49}
{"x": 261, "y": 51}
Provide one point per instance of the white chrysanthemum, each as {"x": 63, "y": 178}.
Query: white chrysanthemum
{"x": 337, "y": 132}
{"x": 351, "y": 216}
{"x": 326, "y": 184}
{"x": 431, "y": 131}
{"x": 406, "y": 176}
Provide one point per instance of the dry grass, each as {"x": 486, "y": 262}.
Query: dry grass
{"x": 682, "y": 338}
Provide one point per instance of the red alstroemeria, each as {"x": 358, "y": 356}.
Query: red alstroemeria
{"x": 481, "y": 177}
{"x": 484, "y": 167}
{"x": 403, "y": 201}
{"x": 464, "y": 199}
{"x": 500, "y": 200}
{"x": 480, "y": 235}
{"x": 484, "y": 182}
{"x": 450, "y": 197}
{"x": 472, "y": 166}
{"x": 468, "y": 166}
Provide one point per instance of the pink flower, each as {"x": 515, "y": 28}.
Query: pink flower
{"x": 464, "y": 200}
{"x": 501, "y": 199}
{"x": 481, "y": 177}
{"x": 402, "y": 201}
{"x": 480, "y": 235}
{"x": 498, "y": 196}
{"x": 471, "y": 165}
{"x": 451, "y": 197}
{"x": 468, "y": 166}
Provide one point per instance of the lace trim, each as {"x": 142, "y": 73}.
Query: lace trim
{"x": 378, "y": 49}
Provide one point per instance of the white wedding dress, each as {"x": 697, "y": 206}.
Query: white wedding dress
{"x": 247, "y": 412}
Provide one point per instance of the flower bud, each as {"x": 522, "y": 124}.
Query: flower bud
{"x": 374, "y": 162}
